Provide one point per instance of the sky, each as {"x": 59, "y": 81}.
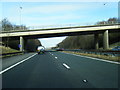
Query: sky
{"x": 37, "y": 14}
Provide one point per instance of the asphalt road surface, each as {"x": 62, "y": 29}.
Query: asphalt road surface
{"x": 58, "y": 70}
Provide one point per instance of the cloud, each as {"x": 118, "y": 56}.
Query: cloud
{"x": 44, "y": 12}
{"x": 53, "y": 13}
{"x": 56, "y": 8}
{"x": 47, "y": 9}
{"x": 49, "y": 20}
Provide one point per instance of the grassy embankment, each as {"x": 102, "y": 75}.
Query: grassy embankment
{"x": 115, "y": 44}
{"x": 4, "y": 50}
{"x": 111, "y": 58}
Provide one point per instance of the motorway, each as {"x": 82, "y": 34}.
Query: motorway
{"x": 58, "y": 70}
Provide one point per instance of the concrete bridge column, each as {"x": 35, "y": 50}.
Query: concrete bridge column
{"x": 25, "y": 44}
{"x": 96, "y": 40}
{"x": 105, "y": 40}
{"x": 21, "y": 44}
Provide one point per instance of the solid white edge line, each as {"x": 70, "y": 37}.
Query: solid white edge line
{"x": 66, "y": 66}
{"x": 16, "y": 64}
{"x": 94, "y": 58}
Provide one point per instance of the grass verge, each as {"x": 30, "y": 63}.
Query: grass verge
{"x": 4, "y": 50}
{"x": 111, "y": 58}
{"x": 4, "y": 56}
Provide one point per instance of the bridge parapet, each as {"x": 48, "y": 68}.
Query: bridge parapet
{"x": 40, "y": 28}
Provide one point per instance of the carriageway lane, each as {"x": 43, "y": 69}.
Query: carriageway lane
{"x": 49, "y": 71}
{"x": 99, "y": 73}
{"x": 41, "y": 71}
{"x": 8, "y": 61}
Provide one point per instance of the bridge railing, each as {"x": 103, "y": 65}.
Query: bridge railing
{"x": 59, "y": 26}
{"x": 62, "y": 26}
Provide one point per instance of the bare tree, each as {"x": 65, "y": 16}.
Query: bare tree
{"x": 6, "y": 25}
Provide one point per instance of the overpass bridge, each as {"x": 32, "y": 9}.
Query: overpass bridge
{"x": 23, "y": 35}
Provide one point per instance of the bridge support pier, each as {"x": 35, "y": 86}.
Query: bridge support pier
{"x": 105, "y": 40}
{"x": 96, "y": 40}
{"x": 21, "y": 44}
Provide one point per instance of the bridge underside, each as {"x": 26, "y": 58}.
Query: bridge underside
{"x": 61, "y": 34}
{"x": 96, "y": 35}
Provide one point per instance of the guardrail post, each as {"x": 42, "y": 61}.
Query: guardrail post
{"x": 21, "y": 44}
{"x": 105, "y": 40}
{"x": 96, "y": 40}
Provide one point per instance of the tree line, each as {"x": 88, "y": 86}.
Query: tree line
{"x": 31, "y": 44}
{"x": 87, "y": 41}
{"x": 8, "y": 26}
{"x": 113, "y": 20}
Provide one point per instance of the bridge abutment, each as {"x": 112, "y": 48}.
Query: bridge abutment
{"x": 105, "y": 40}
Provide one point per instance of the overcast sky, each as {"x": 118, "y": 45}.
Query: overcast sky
{"x": 41, "y": 14}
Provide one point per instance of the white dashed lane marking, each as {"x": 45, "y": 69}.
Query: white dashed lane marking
{"x": 55, "y": 57}
{"x": 65, "y": 65}
{"x": 84, "y": 81}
